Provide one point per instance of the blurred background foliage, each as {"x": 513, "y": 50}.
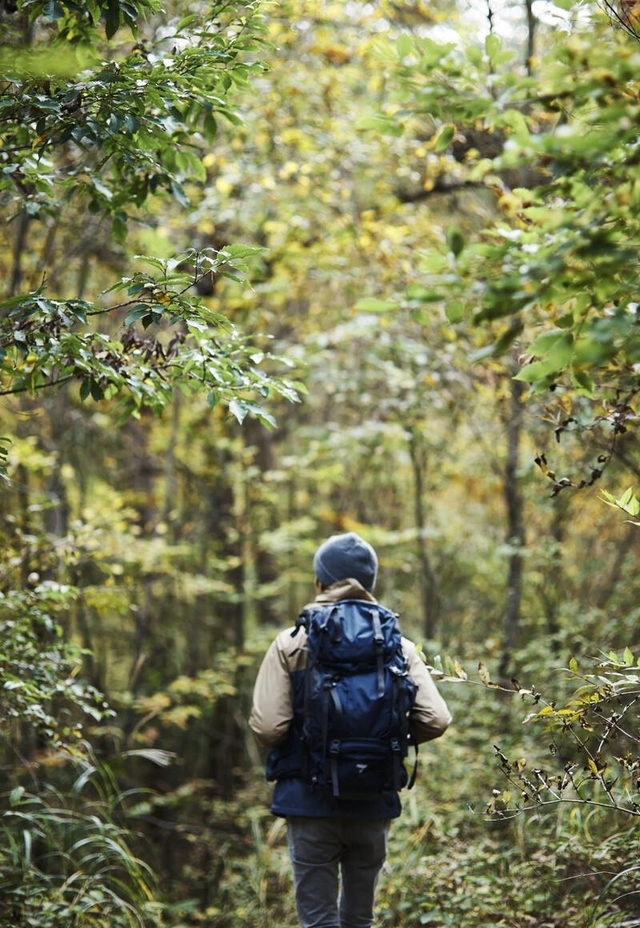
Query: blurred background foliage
{"x": 272, "y": 271}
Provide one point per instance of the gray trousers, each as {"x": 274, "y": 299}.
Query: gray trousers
{"x": 336, "y": 863}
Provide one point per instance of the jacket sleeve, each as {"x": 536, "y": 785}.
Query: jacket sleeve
{"x": 272, "y": 710}
{"x": 430, "y": 717}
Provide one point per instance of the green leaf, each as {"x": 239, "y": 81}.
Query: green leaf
{"x": 372, "y": 304}
{"x": 628, "y": 502}
{"x": 239, "y": 251}
{"x": 387, "y": 125}
{"x": 53, "y": 10}
{"x": 112, "y": 18}
{"x": 404, "y": 45}
{"x": 582, "y": 383}
{"x": 16, "y": 795}
{"x": 537, "y": 371}
{"x": 558, "y": 342}
{"x": 239, "y": 410}
{"x": 454, "y": 311}
{"x": 135, "y": 314}
{"x": 443, "y": 138}
{"x": 626, "y": 497}
{"x": 156, "y": 756}
{"x": 455, "y": 241}
{"x": 492, "y": 45}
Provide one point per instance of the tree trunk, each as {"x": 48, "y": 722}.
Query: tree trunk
{"x": 553, "y": 584}
{"x": 170, "y": 470}
{"x": 608, "y": 583}
{"x": 428, "y": 583}
{"x": 19, "y": 247}
{"x": 515, "y": 526}
{"x": 260, "y": 516}
{"x": 531, "y": 35}
{"x": 226, "y": 528}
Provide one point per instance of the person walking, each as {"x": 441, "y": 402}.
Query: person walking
{"x": 337, "y": 844}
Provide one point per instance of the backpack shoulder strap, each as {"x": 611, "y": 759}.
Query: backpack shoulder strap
{"x": 303, "y": 620}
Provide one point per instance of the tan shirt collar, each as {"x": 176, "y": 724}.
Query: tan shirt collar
{"x": 345, "y": 589}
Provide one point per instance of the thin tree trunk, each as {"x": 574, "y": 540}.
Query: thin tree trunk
{"x": 260, "y": 515}
{"x": 19, "y": 245}
{"x": 552, "y": 591}
{"x": 490, "y": 16}
{"x": 607, "y": 586}
{"x": 226, "y": 527}
{"x": 428, "y": 583}
{"x": 23, "y": 219}
{"x": 142, "y": 613}
{"x": 531, "y": 35}
{"x": 515, "y": 526}
{"x": 170, "y": 474}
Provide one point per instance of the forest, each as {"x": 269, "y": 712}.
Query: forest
{"x": 275, "y": 270}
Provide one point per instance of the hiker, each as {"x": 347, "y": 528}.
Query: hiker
{"x": 337, "y": 839}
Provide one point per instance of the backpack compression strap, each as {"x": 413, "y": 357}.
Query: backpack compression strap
{"x": 379, "y": 640}
{"x": 329, "y": 695}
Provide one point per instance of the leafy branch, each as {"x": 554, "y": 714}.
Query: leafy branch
{"x": 596, "y": 738}
{"x": 600, "y": 722}
{"x": 628, "y": 503}
{"x": 169, "y": 338}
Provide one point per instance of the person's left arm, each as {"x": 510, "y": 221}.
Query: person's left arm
{"x": 429, "y": 717}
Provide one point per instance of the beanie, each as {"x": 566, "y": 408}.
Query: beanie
{"x": 344, "y": 556}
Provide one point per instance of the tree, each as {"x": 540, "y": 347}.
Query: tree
{"x": 107, "y": 108}
{"x": 120, "y": 122}
{"x": 553, "y": 273}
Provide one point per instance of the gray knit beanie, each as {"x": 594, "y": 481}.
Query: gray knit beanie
{"x": 344, "y": 556}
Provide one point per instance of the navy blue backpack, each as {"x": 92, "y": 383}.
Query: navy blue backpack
{"x": 358, "y": 695}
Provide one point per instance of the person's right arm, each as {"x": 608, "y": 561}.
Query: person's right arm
{"x": 272, "y": 710}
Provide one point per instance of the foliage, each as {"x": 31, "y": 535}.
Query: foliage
{"x": 596, "y": 738}
{"x": 65, "y": 859}
{"x": 44, "y": 347}
{"x": 41, "y": 690}
{"x": 628, "y": 503}
{"x": 121, "y": 123}
{"x": 589, "y": 779}
{"x": 184, "y": 540}
{"x": 552, "y": 270}
{"x": 63, "y": 856}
